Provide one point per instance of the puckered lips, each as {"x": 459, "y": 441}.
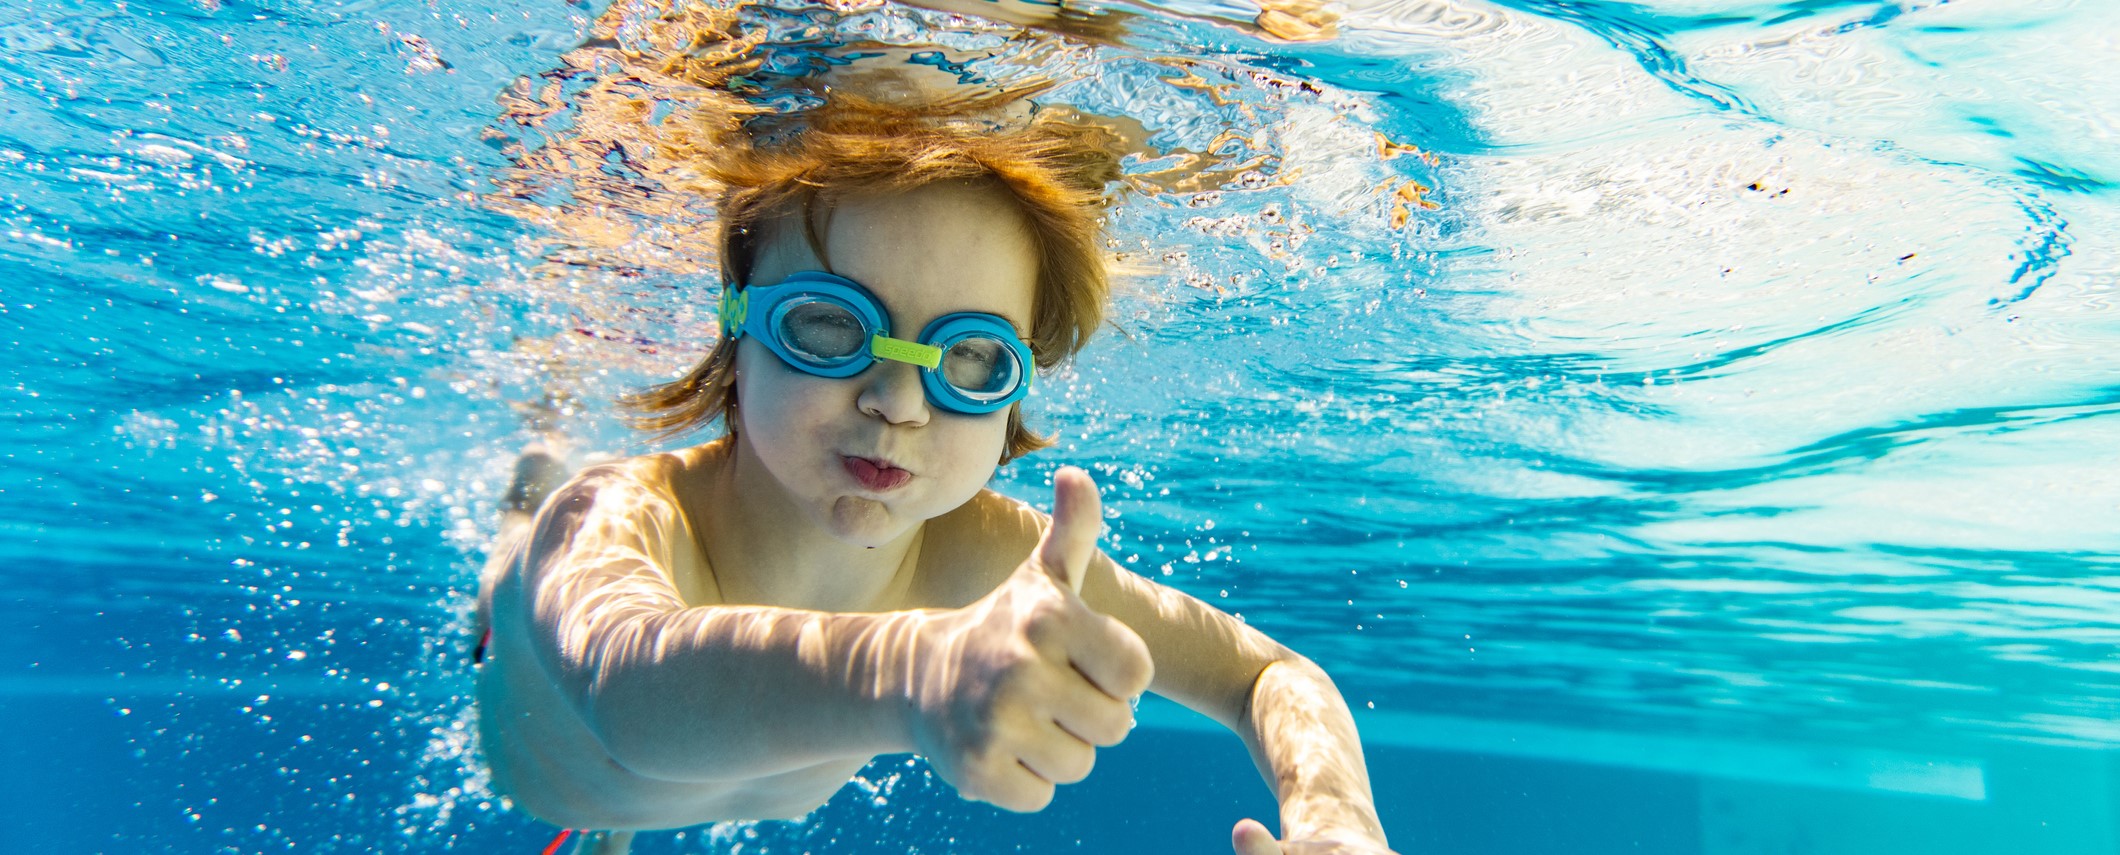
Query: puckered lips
{"x": 877, "y": 475}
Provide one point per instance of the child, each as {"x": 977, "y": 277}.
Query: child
{"x": 731, "y": 630}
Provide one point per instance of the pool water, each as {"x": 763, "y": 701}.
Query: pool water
{"x": 1679, "y": 426}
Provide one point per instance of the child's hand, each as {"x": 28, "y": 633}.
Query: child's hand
{"x": 1252, "y": 838}
{"x": 1017, "y": 689}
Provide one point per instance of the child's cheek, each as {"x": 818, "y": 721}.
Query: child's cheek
{"x": 975, "y": 444}
{"x": 776, "y": 404}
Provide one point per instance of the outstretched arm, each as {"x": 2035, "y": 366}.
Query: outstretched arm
{"x": 1303, "y": 738}
{"x": 1284, "y": 707}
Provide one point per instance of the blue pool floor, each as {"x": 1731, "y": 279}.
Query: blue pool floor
{"x": 83, "y": 778}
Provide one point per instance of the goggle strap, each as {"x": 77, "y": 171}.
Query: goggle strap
{"x": 735, "y": 305}
{"x": 900, "y": 350}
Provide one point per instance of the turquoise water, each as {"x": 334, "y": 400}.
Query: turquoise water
{"x": 1723, "y": 459}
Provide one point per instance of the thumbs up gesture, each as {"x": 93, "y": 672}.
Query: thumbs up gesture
{"x": 1014, "y": 693}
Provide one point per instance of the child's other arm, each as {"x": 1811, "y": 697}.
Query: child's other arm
{"x": 1303, "y": 739}
{"x": 1006, "y": 696}
{"x": 1284, "y": 707}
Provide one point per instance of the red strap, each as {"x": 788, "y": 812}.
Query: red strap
{"x": 552, "y": 847}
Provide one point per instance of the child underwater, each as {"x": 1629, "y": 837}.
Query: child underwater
{"x": 733, "y": 629}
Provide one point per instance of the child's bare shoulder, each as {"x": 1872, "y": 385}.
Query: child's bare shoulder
{"x": 968, "y": 551}
{"x": 990, "y": 517}
{"x": 645, "y": 482}
{"x": 633, "y": 502}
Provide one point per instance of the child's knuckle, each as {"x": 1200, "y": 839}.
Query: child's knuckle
{"x": 1034, "y": 797}
{"x": 1139, "y": 670}
{"x": 1076, "y": 763}
{"x": 1114, "y": 724}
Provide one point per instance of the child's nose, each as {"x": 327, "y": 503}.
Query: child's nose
{"x": 891, "y": 391}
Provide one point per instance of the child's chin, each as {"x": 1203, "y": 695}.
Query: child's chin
{"x": 865, "y": 522}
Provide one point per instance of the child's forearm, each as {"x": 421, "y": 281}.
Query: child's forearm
{"x": 1303, "y": 739}
{"x": 738, "y": 692}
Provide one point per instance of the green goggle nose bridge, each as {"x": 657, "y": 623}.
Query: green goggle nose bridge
{"x": 911, "y": 352}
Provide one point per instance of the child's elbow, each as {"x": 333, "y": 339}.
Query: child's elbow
{"x": 616, "y": 703}
{"x": 629, "y": 741}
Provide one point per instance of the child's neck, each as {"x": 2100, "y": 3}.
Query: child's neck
{"x": 765, "y": 551}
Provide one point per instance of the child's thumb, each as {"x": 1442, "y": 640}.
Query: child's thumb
{"x": 1252, "y": 838}
{"x": 1078, "y": 517}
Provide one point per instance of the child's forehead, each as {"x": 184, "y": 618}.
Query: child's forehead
{"x": 931, "y": 250}
{"x": 952, "y": 212}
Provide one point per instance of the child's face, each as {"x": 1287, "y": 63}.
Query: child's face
{"x": 940, "y": 249}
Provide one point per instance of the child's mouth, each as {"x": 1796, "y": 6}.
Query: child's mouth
{"x": 875, "y": 475}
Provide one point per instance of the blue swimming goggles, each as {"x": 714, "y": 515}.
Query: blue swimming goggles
{"x": 830, "y": 326}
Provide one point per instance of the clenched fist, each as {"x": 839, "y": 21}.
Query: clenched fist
{"x": 1014, "y": 693}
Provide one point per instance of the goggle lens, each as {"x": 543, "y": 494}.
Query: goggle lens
{"x": 981, "y": 367}
{"x": 822, "y": 331}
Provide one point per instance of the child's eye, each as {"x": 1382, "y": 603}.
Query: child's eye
{"x": 978, "y": 365}
{"x": 822, "y": 330}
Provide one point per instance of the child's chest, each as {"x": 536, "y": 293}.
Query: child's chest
{"x": 957, "y": 567}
